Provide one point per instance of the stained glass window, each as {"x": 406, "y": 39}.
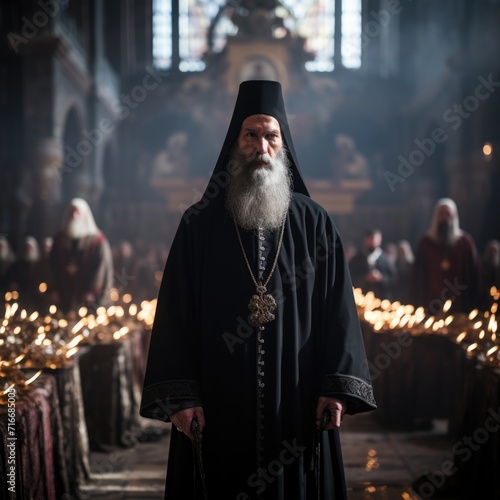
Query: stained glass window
{"x": 351, "y": 34}
{"x": 314, "y": 20}
{"x": 162, "y": 33}
{"x": 204, "y": 25}
{"x": 194, "y": 21}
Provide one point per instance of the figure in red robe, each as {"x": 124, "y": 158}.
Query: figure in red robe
{"x": 446, "y": 264}
{"x": 81, "y": 259}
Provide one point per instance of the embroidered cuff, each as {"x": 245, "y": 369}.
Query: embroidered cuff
{"x": 163, "y": 399}
{"x": 359, "y": 393}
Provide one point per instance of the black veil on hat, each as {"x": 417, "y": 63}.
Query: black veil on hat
{"x": 257, "y": 97}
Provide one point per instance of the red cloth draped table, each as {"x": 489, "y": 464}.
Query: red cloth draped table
{"x": 74, "y": 430}
{"x": 40, "y": 466}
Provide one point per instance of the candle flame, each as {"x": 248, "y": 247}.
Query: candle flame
{"x": 78, "y": 326}
{"x": 71, "y": 352}
{"x": 6, "y": 391}
{"x": 33, "y": 378}
{"x": 493, "y": 324}
{"x": 75, "y": 341}
{"x": 473, "y": 314}
{"x": 492, "y": 350}
{"x": 19, "y": 358}
{"x": 472, "y": 347}
{"x": 429, "y": 322}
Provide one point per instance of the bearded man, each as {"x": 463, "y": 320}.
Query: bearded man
{"x": 256, "y": 334}
{"x": 81, "y": 259}
{"x": 446, "y": 264}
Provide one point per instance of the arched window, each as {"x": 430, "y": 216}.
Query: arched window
{"x": 185, "y": 31}
{"x": 162, "y": 33}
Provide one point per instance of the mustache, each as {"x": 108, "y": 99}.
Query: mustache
{"x": 259, "y": 158}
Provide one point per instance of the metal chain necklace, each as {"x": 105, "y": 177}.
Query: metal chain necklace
{"x": 261, "y": 304}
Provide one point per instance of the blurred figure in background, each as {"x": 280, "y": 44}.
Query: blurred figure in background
{"x": 45, "y": 274}
{"x": 124, "y": 262}
{"x": 404, "y": 266}
{"x": 82, "y": 263}
{"x": 350, "y": 251}
{"x": 371, "y": 269}
{"x": 149, "y": 274}
{"x": 25, "y": 274}
{"x": 490, "y": 272}
{"x": 391, "y": 250}
{"x": 446, "y": 264}
{"x": 45, "y": 267}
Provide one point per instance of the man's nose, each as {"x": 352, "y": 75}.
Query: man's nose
{"x": 262, "y": 146}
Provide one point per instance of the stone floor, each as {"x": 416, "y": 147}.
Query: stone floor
{"x": 380, "y": 464}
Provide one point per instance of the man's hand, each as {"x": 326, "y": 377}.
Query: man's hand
{"x": 336, "y": 407}
{"x": 182, "y": 420}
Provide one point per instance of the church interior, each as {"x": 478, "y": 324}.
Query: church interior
{"x": 393, "y": 105}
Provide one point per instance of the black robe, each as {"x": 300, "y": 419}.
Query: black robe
{"x": 204, "y": 352}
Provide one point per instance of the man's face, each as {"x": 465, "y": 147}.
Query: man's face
{"x": 260, "y": 135}
{"x": 444, "y": 214}
{"x": 73, "y": 212}
{"x": 372, "y": 241}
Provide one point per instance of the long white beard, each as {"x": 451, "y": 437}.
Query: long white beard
{"x": 259, "y": 196}
{"x": 81, "y": 225}
{"x": 76, "y": 229}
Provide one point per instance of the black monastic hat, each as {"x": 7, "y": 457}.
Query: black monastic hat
{"x": 257, "y": 97}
